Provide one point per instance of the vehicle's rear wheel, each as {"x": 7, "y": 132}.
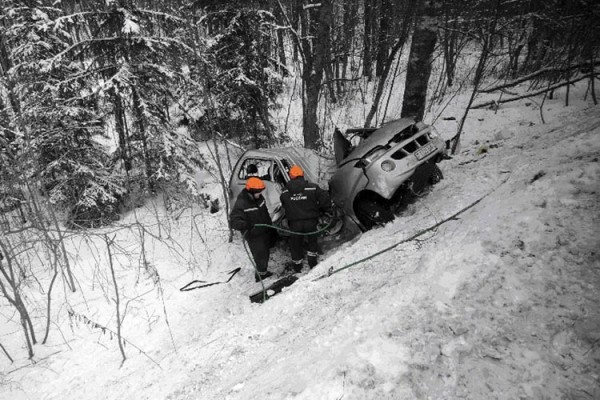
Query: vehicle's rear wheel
{"x": 372, "y": 213}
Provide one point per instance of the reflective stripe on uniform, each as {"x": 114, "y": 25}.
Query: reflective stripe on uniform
{"x": 251, "y": 209}
{"x": 311, "y": 254}
{"x": 310, "y": 188}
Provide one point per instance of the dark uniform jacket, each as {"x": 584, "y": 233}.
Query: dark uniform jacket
{"x": 303, "y": 200}
{"x": 248, "y": 212}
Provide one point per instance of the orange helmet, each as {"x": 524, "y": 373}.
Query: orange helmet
{"x": 254, "y": 184}
{"x": 296, "y": 171}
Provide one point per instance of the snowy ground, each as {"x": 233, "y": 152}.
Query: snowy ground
{"x": 499, "y": 303}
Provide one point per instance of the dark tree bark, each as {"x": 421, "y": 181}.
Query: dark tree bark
{"x": 139, "y": 116}
{"x": 592, "y": 75}
{"x": 384, "y": 74}
{"x": 5, "y": 65}
{"x": 350, "y": 21}
{"x": 316, "y": 22}
{"x": 369, "y": 19}
{"x": 280, "y": 43}
{"x": 296, "y": 22}
{"x": 419, "y": 69}
{"x": 120, "y": 127}
{"x": 11, "y": 277}
{"x": 383, "y": 42}
{"x": 449, "y": 38}
{"x": 390, "y": 46}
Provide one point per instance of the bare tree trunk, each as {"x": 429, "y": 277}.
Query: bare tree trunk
{"x": 120, "y": 128}
{"x": 368, "y": 39}
{"x": 317, "y": 22}
{"x": 309, "y": 116}
{"x": 381, "y": 85}
{"x": 8, "y": 274}
{"x": 61, "y": 240}
{"x": 383, "y": 41}
{"x": 593, "y": 78}
{"x": 570, "y": 52}
{"x": 49, "y": 302}
{"x": 449, "y": 43}
{"x": 485, "y": 51}
{"x": 476, "y": 83}
{"x": 280, "y": 43}
{"x": 217, "y": 157}
{"x": 109, "y": 243}
{"x": 419, "y": 70}
{"x": 137, "y": 106}
{"x": 5, "y": 65}
{"x": 350, "y": 22}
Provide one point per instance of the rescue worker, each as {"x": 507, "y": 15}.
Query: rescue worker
{"x": 303, "y": 203}
{"x": 249, "y": 210}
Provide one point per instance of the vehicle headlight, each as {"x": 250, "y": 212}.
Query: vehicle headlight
{"x": 433, "y": 133}
{"x": 371, "y": 156}
{"x": 388, "y": 165}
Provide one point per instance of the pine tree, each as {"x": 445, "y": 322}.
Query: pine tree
{"x": 59, "y": 119}
{"x": 244, "y": 80}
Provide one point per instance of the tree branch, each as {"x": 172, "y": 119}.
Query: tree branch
{"x": 536, "y": 74}
{"x": 531, "y": 94}
{"x": 6, "y": 352}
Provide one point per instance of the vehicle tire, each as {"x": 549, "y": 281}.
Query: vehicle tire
{"x": 436, "y": 175}
{"x": 371, "y": 213}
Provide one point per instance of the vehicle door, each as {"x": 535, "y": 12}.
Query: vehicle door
{"x": 271, "y": 172}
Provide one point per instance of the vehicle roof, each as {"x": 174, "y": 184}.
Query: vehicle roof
{"x": 380, "y": 137}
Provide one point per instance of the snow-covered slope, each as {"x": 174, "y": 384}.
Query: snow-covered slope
{"x": 499, "y": 302}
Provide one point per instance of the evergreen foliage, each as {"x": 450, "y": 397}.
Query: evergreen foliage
{"x": 76, "y": 76}
{"x": 58, "y": 147}
{"x": 244, "y": 78}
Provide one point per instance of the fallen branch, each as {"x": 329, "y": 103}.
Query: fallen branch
{"x": 536, "y": 74}
{"x": 189, "y": 286}
{"x": 413, "y": 237}
{"x": 95, "y": 325}
{"x": 526, "y": 95}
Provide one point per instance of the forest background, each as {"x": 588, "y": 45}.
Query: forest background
{"x": 104, "y": 105}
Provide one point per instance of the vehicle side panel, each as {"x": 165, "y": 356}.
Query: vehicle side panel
{"x": 345, "y": 185}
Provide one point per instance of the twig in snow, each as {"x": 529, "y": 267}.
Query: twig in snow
{"x": 6, "y": 352}
{"x": 93, "y": 324}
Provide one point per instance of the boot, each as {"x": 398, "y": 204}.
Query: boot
{"x": 294, "y": 267}
{"x": 262, "y": 276}
{"x": 313, "y": 259}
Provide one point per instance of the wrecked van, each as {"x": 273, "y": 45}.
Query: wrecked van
{"x": 372, "y": 170}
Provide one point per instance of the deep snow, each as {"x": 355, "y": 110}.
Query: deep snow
{"x": 500, "y": 302}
